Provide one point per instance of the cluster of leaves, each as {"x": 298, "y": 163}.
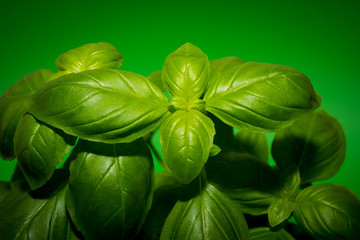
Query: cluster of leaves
{"x": 98, "y": 123}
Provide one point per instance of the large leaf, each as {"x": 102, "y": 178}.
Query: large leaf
{"x": 156, "y": 78}
{"x": 102, "y": 105}
{"x": 254, "y": 143}
{"x": 90, "y": 56}
{"x": 37, "y": 215}
{"x": 261, "y": 97}
{"x": 186, "y": 138}
{"x": 316, "y": 144}
{"x": 328, "y": 211}
{"x": 39, "y": 148}
{"x": 13, "y": 105}
{"x": 185, "y": 72}
{"x": 110, "y": 189}
{"x": 265, "y": 233}
{"x": 208, "y": 214}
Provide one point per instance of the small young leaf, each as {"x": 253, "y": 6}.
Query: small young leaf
{"x": 185, "y": 72}
{"x": 102, "y": 105}
{"x": 90, "y": 56}
{"x": 156, "y": 79}
{"x": 186, "y": 138}
{"x": 110, "y": 189}
{"x": 280, "y": 210}
{"x": 254, "y": 143}
{"x": 261, "y": 97}
{"x": 289, "y": 182}
{"x": 39, "y": 148}
{"x": 214, "y": 150}
{"x": 265, "y": 233}
{"x": 207, "y": 215}
{"x": 328, "y": 211}
{"x": 316, "y": 144}
{"x": 13, "y": 105}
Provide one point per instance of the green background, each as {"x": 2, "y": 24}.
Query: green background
{"x": 319, "y": 38}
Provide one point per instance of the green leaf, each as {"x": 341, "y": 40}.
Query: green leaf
{"x": 37, "y": 215}
{"x": 261, "y": 97}
{"x": 102, "y": 105}
{"x": 39, "y": 148}
{"x": 265, "y": 233}
{"x": 185, "y": 72}
{"x": 254, "y": 143}
{"x": 207, "y": 215}
{"x": 316, "y": 144}
{"x": 110, "y": 189}
{"x": 4, "y": 190}
{"x": 13, "y": 105}
{"x": 156, "y": 79}
{"x": 90, "y": 56}
{"x": 224, "y": 134}
{"x": 289, "y": 181}
{"x": 218, "y": 66}
{"x": 328, "y": 211}
{"x": 279, "y": 211}
{"x": 214, "y": 150}
{"x": 186, "y": 138}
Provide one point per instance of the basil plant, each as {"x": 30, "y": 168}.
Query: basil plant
{"x": 84, "y": 142}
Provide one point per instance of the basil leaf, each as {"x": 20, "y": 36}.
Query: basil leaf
{"x": 254, "y": 143}
{"x": 261, "y": 97}
{"x": 185, "y": 72}
{"x": 186, "y": 138}
{"x": 224, "y": 134}
{"x": 218, "y": 66}
{"x": 316, "y": 144}
{"x": 90, "y": 56}
{"x": 118, "y": 176}
{"x": 4, "y": 190}
{"x": 37, "y": 215}
{"x": 102, "y": 105}
{"x": 207, "y": 215}
{"x": 328, "y": 211}
{"x": 289, "y": 180}
{"x": 156, "y": 79}
{"x": 39, "y": 148}
{"x": 13, "y": 105}
{"x": 279, "y": 211}
{"x": 265, "y": 233}
{"x": 214, "y": 150}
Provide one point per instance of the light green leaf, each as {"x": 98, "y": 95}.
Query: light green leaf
{"x": 261, "y": 97}
{"x": 39, "y": 148}
{"x": 265, "y": 233}
{"x": 208, "y": 214}
{"x": 156, "y": 79}
{"x": 13, "y": 105}
{"x": 279, "y": 211}
{"x": 186, "y": 138}
{"x": 102, "y": 105}
{"x": 185, "y": 72}
{"x": 218, "y": 66}
{"x": 90, "y": 56}
{"x": 110, "y": 189}
{"x": 254, "y": 143}
{"x": 328, "y": 211}
{"x": 316, "y": 144}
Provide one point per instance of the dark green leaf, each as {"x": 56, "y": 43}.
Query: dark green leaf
{"x": 207, "y": 215}
{"x": 265, "y": 233}
{"x": 261, "y": 97}
{"x": 185, "y": 72}
{"x": 279, "y": 211}
{"x": 186, "y": 138}
{"x": 90, "y": 56}
{"x": 224, "y": 134}
{"x": 289, "y": 182}
{"x": 156, "y": 79}
{"x": 316, "y": 144}
{"x": 39, "y": 148}
{"x": 214, "y": 150}
{"x": 110, "y": 189}
{"x": 254, "y": 143}
{"x": 13, "y": 105}
{"x": 4, "y": 189}
{"x": 328, "y": 211}
{"x": 102, "y": 105}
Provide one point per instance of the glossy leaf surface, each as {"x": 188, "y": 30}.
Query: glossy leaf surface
{"x": 328, "y": 211}
{"x": 261, "y": 97}
{"x": 90, "y": 56}
{"x": 279, "y": 211}
{"x": 13, "y": 105}
{"x": 265, "y": 233}
{"x": 186, "y": 138}
{"x": 156, "y": 78}
{"x": 102, "y": 105}
{"x": 254, "y": 143}
{"x": 110, "y": 189}
{"x": 39, "y": 148}
{"x": 185, "y": 72}
{"x": 207, "y": 215}
{"x": 316, "y": 144}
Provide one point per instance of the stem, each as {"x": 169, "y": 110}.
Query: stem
{"x": 158, "y": 157}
